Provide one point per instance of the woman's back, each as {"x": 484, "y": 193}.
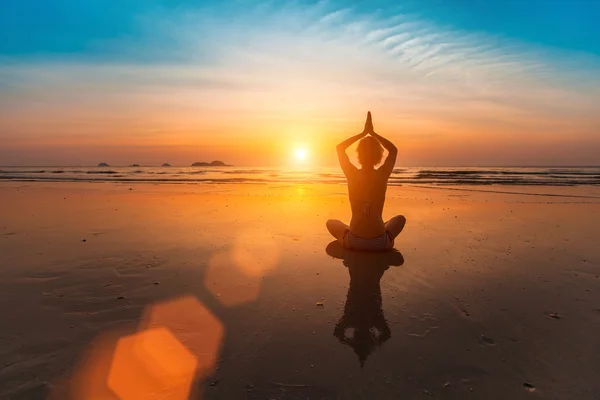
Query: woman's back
{"x": 366, "y": 190}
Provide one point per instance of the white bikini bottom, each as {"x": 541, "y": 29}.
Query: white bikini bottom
{"x": 378, "y": 243}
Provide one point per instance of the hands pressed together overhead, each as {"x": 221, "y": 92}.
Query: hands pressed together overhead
{"x": 389, "y": 162}
{"x": 368, "y": 125}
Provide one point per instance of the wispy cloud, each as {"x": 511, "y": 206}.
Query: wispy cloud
{"x": 314, "y": 65}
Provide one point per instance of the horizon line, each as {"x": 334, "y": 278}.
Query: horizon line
{"x": 281, "y": 166}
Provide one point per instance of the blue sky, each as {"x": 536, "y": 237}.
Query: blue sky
{"x": 37, "y": 27}
{"x": 184, "y": 80}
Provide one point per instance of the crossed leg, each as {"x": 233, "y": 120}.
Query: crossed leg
{"x": 395, "y": 225}
{"x": 337, "y": 229}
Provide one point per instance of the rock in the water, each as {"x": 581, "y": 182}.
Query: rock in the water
{"x": 215, "y": 163}
{"x": 103, "y": 164}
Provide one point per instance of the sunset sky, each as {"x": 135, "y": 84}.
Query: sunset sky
{"x": 451, "y": 82}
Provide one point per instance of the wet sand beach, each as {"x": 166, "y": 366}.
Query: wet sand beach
{"x": 236, "y": 291}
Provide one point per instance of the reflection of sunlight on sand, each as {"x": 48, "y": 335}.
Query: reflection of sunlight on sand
{"x": 178, "y": 342}
{"x": 235, "y": 277}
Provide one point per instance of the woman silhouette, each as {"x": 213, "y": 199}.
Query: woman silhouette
{"x": 366, "y": 190}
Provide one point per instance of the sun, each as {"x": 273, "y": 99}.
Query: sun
{"x": 300, "y": 154}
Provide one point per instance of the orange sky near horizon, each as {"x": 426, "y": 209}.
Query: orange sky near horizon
{"x": 267, "y": 141}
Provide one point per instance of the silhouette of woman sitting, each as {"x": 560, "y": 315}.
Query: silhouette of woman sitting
{"x": 366, "y": 190}
{"x": 363, "y": 325}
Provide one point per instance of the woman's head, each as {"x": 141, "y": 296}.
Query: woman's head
{"x": 369, "y": 152}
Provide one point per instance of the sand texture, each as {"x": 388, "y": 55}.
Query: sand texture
{"x": 122, "y": 292}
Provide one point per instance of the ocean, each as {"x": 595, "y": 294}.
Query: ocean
{"x": 541, "y": 176}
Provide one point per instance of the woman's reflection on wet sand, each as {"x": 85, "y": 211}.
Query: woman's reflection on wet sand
{"x": 363, "y": 325}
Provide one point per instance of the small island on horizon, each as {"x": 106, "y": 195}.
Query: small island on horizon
{"x": 215, "y": 163}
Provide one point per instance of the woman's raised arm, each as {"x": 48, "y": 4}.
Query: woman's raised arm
{"x": 345, "y": 163}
